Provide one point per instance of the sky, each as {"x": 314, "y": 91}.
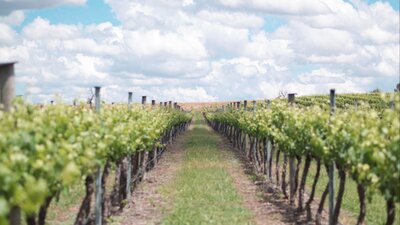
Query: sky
{"x": 199, "y": 50}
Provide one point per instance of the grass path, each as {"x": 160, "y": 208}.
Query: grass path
{"x": 203, "y": 192}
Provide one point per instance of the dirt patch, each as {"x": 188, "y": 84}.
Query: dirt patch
{"x": 266, "y": 203}
{"x": 147, "y": 204}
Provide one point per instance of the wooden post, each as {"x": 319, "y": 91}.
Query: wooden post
{"x": 129, "y": 172}
{"x": 254, "y": 105}
{"x": 245, "y": 105}
{"x": 170, "y": 104}
{"x": 153, "y": 103}
{"x": 130, "y": 100}
{"x": 175, "y": 105}
{"x": 144, "y": 99}
{"x": 98, "y": 194}
{"x": 165, "y": 104}
{"x": 268, "y": 104}
{"x": 7, "y": 85}
{"x": 15, "y": 216}
{"x": 331, "y": 171}
{"x": 160, "y": 104}
{"x": 238, "y": 105}
{"x": 291, "y": 98}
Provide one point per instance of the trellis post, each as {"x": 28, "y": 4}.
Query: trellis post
{"x": 331, "y": 169}
{"x": 7, "y": 85}
{"x": 291, "y": 99}
{"x": 98, "y": 194}
{"x": 129, "y": 172}
{"x": 7, "y": 94}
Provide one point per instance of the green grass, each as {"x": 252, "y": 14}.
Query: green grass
{"x": 64, "y": 210}
{"x": 203, "y": 191}
{"x": 376, "y": 209}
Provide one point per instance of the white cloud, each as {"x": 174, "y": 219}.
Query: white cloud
{"x": 235, "y": 19}
{"x": 280, "y": 7}
{"x": 152, "y": 42}
{"x": 8, "y": 35}
{"x": 14, "y": 18}
{"x": 196, "y": 94}
{"x": 41, "y": 29}
{"x": 7, "y": 6}
{"x": 186, "y": 50}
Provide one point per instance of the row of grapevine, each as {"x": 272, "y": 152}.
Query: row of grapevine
{"x": 46, "y": 150}
{"x": 345, "y": 101}
{"x": 363, "y": 144}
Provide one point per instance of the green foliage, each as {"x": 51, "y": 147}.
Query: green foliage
{"x": 365, "y": 140}
{"x": 43, "y": 151}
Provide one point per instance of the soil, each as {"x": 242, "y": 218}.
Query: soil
{"x": 147, "y": 204}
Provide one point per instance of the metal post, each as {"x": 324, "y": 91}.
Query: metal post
{"x": 97, "y": 99}
{"x": 269, "y": 148}
{"x": 129, "y": 172}
{"x": 331, "y": 171}
{"x": 129, "y": 99}
{"x": 7, "y": 85}
{"x": 291, "y": 97}
{"x": 391, "y": 105}
{"x": 98, "y": 207}
{"x": 292, "y": 196}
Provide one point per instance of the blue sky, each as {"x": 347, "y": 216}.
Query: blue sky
{"x": 94, "y": 11}
{"x": 193, "y": 50}
{"x": 97, "y": 11}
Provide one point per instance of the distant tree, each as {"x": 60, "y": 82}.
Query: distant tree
{"x": 90, "y": 98}
{"x": 397, "y": 88}
{"x": 282, "y": 94}
{"x": 376, "y": 90}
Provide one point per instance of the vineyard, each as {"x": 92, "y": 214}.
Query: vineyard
{"x": 316, "y": 152}
{"x": 44, "y": 151}
{"x": 359, "y": 138}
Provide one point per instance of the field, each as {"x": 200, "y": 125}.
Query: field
{"x": 278, "y": 145}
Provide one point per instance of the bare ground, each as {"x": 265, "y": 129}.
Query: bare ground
{"x": 262, "y": 198}
{"x": 147, "y": 204}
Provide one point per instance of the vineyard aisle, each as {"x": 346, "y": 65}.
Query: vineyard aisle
{"x": 198, "y": 181}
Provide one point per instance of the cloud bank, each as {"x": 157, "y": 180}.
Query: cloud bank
{"x": 205, "y": 50}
